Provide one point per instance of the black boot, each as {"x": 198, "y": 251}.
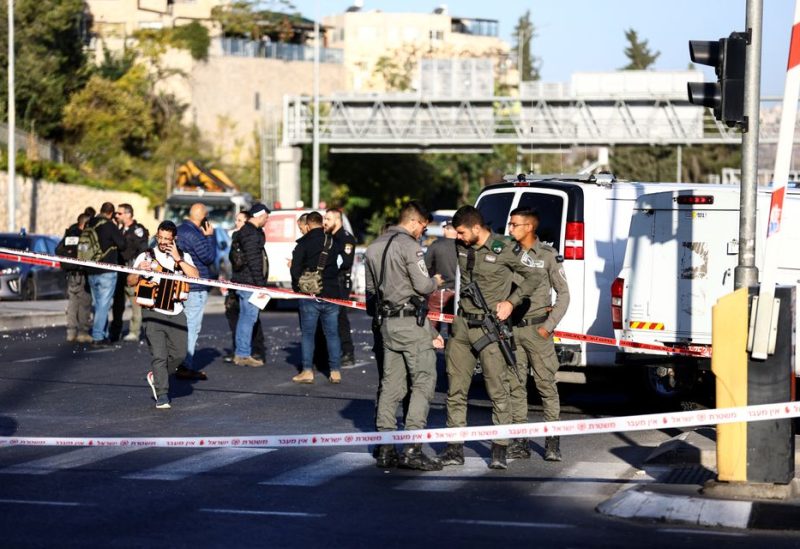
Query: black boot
{"x": 518, "y": 449}
{"x": 414, "y": 458}
{"x": 387, "y": 457}
{"x": 498, "y": 457}
{"x": 452, "y": 455}
{"x": 552, "y": 449}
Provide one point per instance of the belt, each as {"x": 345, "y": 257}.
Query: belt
{"x": 530, "y": 321}
{"x": 404, "y": 312}
{"x": 470, "y": 316}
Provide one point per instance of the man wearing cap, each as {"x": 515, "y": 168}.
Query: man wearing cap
{"x": 254, "y": 272}
{"x": 442, "y": 259}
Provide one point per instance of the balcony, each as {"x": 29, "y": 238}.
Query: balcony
{"x": 240, "y": 47}
{"x": 475, "y": 27}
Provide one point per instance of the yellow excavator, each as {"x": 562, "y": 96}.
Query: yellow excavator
{"x": 191, "y": 176}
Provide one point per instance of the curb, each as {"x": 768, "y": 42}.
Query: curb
{"x": 645, "y": 504}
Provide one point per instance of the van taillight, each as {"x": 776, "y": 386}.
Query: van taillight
{"x": 616, "y": 303}
{"x": 573, "y": 241}
{"x": 684, "y": 199}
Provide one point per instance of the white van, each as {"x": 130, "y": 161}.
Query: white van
{"x": 586, "y": 218}
{"x": 680, "y": 258}
{"x": 281, "y": 235}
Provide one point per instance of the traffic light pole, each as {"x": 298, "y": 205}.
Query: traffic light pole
{"x": 746, "y": 273}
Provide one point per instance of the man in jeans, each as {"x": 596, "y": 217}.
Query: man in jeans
{"x": 196, "y": 238}
{"x": 308, "y": 256}
{"x": 254, "y": 272}
{"x": 102, "y": 283}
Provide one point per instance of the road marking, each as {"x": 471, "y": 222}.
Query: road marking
{"x": 199, "y": 463}
{"x": 263, "y": 513}
{"x": 50, "y": 503}
{"x": 448, "y": 479}
{"x": 323, "y": 471}
{"x": 356, "y": 365}
{"x": 699, "y": 532}
{"x": 585, "y": 479}
{"x": 66, "y": 460}
{"x": 507, "y": 523}
{"x": 107, "y": 350}
{"x": 35, "y": 359}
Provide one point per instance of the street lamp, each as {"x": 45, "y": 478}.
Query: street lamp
{"x": 12, "y": 175}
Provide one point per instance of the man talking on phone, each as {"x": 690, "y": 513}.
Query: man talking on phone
{"x": 196, "y": 238}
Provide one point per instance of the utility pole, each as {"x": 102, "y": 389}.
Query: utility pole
{"x": 746, "y": 273}
{"x": 315, "y": 142}
{"x": 12, "y": 127}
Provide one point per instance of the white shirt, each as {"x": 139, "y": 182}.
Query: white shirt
{"x": 167, "y": 262}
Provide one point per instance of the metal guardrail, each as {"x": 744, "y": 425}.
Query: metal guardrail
{"x": 240, "y": 47}
{"x": 410, "y": 120}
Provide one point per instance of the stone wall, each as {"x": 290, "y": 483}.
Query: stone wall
{"x": 49, "y": 208}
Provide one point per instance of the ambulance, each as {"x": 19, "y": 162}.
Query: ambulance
{"x": 680, "y": 257}
{"x": 586, "y": 218}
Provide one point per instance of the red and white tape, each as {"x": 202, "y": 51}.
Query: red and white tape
{"x": 763, "y": 412}
{"x": 18, "y": 256}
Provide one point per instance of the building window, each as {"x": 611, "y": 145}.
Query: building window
{"x": 436, "y": 35}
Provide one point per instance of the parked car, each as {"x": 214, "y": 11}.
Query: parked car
{"x": 30, "y": 282}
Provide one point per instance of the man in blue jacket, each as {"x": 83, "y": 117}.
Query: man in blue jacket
{"x": 196, "y": 238}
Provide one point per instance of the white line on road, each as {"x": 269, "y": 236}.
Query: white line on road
{"x": 106, "y": 350}
{"x": 263, "y": 513}
{"x": 50, "y": 503}
{"x": 699, "y": 532}
{"x": 201, "y": 462}
{"x": 66, "y": 460}
{"x": 34, "y": 359}
{"x": 507, "y": 523}
{"x": 320, "y": 472}
{"x": 448, "y": 479}
{"x": 585, "y": 479}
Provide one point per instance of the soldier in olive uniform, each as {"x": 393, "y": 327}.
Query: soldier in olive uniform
{"x": 398, "y": 285}
{"x": 534, "y": 322}
{"x": 490, "y": 260}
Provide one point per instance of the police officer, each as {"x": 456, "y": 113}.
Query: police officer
{"x": 137, "y": 239}
{"x": 398, "y": 283}
{"x": 534, "y": 320}
{"x": 347, "y": 243}
{"x": 490, "y": 260}
{"x": 79, "y": 304}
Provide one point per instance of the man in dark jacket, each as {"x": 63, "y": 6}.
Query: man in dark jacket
{"x": 136, "y": 241}
{"x": 79, "y": 304}
{"x": 442, "y": 258}
{"x": 254, "y": 272}
{"x": 196, "y": 237}
{"x": 333, "y": 225}
{"x": 308, "y": 256}
{"x": 102, "y": 283}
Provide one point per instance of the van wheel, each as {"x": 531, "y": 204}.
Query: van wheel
{"x": 682, "y": 384}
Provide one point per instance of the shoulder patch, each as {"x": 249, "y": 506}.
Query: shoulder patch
{"x": 423, "y": 269}
{"x": 348, "y": 249}
{"x": 559, "y": 259}
{"x": 497, "y": 246}
{"x": 517, "y": 248}
{"x": 138, "y": 231}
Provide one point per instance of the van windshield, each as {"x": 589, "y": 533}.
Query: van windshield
{"x": 550, "y": 208}
{"x": 494, "y": 208}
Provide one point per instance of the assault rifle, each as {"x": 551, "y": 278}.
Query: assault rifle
{"x": 494, "y": 330}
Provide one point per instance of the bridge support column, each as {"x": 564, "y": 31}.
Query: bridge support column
{"x": 288, "y": 159}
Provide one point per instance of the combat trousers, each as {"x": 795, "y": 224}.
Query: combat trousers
{"x": 407, "y": 353}
{"x": 540, "y": 354}
{"x": 79, "y": 304}
{"x": 167, "y": 337}
{"x": 460, "y": 367}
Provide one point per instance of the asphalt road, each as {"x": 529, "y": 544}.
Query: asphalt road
{"x": 101, "y": 497}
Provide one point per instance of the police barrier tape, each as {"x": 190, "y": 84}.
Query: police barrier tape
{"x": 762, "y": 412}
{"x": 278, "y": 293}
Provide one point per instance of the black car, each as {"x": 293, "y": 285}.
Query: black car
{"x": 30, "y": 282}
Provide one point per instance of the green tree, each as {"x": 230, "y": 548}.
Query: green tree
{"x": 523, "y": 35}
{"x": 253, "y": 18}
{"x": 50, "y": 61}
{"x": 638, "y": 53}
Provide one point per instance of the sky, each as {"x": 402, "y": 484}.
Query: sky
{"x": 589, "y": 35}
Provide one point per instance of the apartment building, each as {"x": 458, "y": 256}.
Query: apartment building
{"x": 366, "y": 36}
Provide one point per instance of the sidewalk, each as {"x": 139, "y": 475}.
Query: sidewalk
{"x": 26, "y": 315}
{"x": 685, "y": 468}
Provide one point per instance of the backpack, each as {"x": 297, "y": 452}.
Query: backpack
{"x": 311, "y": 281}
{"x": 236, "y": 255}
{"x": 89, "y": 248}
{"x": 68, "y": 247}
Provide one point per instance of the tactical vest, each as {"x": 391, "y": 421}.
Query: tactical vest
{"x": 163, "y": 294}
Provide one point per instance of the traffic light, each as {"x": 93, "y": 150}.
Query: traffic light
{"x": 726, "y": 96}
